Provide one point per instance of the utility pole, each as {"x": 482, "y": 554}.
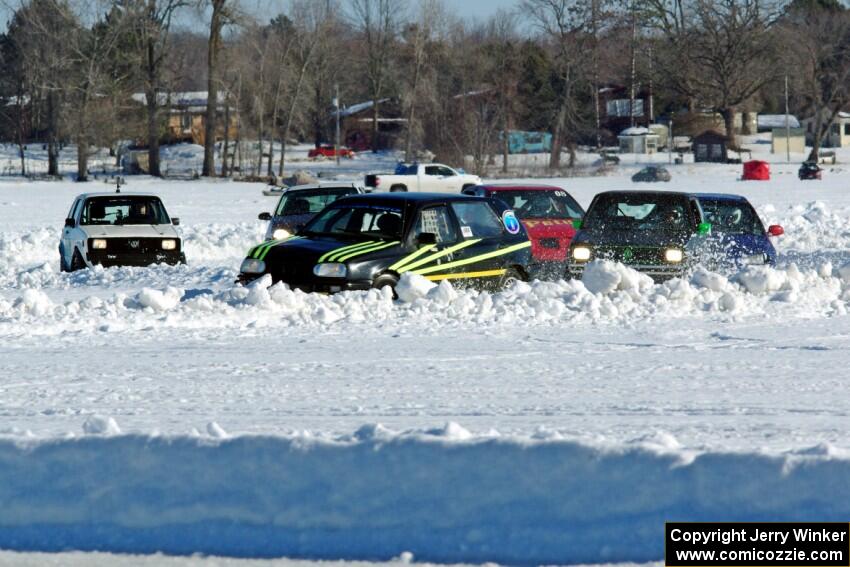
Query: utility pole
{"x": 336, "y": 103}
{"x": 670, "y": 142}
{"x": 787, "y": 124}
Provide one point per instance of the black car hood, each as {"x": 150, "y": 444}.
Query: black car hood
{"x": 646, "y": 238}
{"x": 314, "y": 249}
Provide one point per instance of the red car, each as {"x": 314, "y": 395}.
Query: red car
{"x": 330, "y": 152}
{"x": 547, "y": 213}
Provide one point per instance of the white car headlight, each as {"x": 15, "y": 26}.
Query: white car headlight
{"x": 581, "y": 253}
{"x": 331, "y": 270}
{"x": 253, "y": 266}
{"x": 674, "y": 255}
{"x": 753, "y": 259}
{"x": 281, "y": 234}
{"x": 98, "y": 244}
{"x": 169, "y": 244}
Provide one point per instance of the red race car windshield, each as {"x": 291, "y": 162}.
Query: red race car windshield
{"x": 537, "y": 204}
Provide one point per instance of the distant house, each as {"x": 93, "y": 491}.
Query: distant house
{"x": 638, "y": 141}
{"x": 839, "y": 132}
{"x": 711, "y": 146}
{"x": 357, "y": 121}
{"x": 615, "y": 112}
{"x": 187, "y": 116}
{"x": 767, "y": 122}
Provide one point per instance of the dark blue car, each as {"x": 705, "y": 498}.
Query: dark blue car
{"x": 737, "y": 234}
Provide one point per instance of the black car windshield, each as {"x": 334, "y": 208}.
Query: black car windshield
{"x": 661, "y": 213}
{"x": 357, "y": 220}
{"x": 310, "y": 201}
{"x": 731, "y": 217}
{"x": 540, "y": 204}
{"x": 124, "y": 210}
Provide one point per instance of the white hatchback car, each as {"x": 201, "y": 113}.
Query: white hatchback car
{"x": 119, "y": 229}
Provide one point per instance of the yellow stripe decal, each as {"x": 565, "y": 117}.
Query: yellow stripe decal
{"x": 474, "y": 259}
{"x": 412, "y": 257}
{"x": 466, "y": 275}
{"x": 361, "y": 251}
{"x": 439, "y": 254}
{"x": 343, "y": 249}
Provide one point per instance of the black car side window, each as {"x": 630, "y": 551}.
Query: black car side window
{"x": 437, "y": 221}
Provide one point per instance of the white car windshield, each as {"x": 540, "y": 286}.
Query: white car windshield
{"x": 124, "y": 210}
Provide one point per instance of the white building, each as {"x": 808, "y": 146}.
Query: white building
{"x": 638, "y": 141}
{"x": 839, "y": 132}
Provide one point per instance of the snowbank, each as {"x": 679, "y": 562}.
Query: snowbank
{"x": 608, "y": 293}
{"x": 442, "y": 495}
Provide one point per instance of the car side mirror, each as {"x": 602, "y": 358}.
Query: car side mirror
{"x": 70, "y": 223}
{"x": 775, "y": 230}
{"x": 426, "y": 238}
{"x": 265, "y": 216}
{"x": 704, "y": 228}
{"x": 577, "y": 224}
{"x": 175, "y": 221}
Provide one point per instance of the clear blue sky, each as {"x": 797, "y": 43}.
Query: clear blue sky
{"x": 480, "y": 8}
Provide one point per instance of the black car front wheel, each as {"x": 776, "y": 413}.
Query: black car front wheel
{"x": 386, "y": 280}
{"x": 509, "y": 278}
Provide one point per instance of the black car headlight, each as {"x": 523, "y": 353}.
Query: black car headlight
{"x": 253, "y": 266}
{"x": 331, "y": 270}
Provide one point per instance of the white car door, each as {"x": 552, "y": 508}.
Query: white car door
{"x": 431, "y": 181}
{"x": 69, "y": 234}
{"x": 452, "y": 181}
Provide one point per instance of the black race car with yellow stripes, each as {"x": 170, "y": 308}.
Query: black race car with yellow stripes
{"x": 368, "y": 241}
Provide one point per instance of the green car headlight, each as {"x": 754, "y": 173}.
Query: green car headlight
{"x": 253, "y": 266}
{"x": 331, "y": 270}
{"x": 581, "y": 253}
{"x": 674, "y": 255}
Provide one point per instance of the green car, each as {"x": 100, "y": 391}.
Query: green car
{"x": 659, "y": 233}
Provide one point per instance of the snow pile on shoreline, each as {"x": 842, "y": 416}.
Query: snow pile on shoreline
{"x": 444, "y": 495}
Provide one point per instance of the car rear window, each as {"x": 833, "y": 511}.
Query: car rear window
{"x": 537, "y": 204}
{"x": 309, "y": 201}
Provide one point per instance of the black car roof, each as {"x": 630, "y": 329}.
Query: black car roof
{"x": 660, "y": 193}
{"x": 401, "y": 198}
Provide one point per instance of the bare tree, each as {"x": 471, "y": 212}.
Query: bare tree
{"x": 222, "y": 14}
{"x": 563, "y": 24}
{"x": 150, "y": 34}
{"x": 39, "y": 29}
{"x": 818, "y": 40}
{"x": 312, "y": 21}
{"x": 419, "y": 36}
{"x": 729, "y": 45}
{"x": 378, "y": 21}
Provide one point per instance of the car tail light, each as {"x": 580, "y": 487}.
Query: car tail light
{"x": 377, "y": 181}
{"x": 775, "y": 230}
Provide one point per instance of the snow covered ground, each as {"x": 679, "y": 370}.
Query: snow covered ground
{"x": 164, "y": 409}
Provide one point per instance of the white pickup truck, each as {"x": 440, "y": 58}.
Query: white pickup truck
{"x": 429, "y": 177}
